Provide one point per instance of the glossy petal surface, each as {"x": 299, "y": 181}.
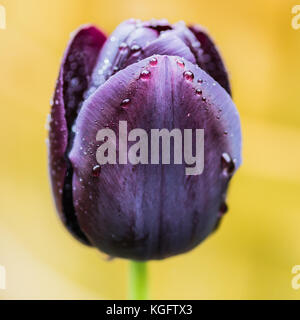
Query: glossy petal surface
{"x": 154, "y": 211}
{"x": 210, "y": 59}
{"x": 76, "y": 67}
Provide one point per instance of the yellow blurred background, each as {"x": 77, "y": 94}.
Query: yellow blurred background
{"x": 252, "y": 254}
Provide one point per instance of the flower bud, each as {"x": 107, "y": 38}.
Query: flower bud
{"x": 147, "y": 78}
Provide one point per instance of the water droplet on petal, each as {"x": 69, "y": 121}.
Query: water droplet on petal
{"x": 135, "y": 48}
{"x": 188, "y": 75}
{"x": 123, "y": 46}
{"x": 74, "y": 82}
{"x": 198, "y": 91}
{"x": 153, "y": 62}
{"x": 180, "y": 63}
{"x": 145, "y": 74}
{"x": 196, "y": 45}
{"x": 203, "y": 99}
{"x": 125, "y": 102}
{"x": 96, "y": 171}
{"x": 227, "y": 164}
{"x": 200, "y": 81}
{"x": 223, "y": 208}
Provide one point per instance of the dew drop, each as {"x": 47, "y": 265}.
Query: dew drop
{"x": 227, "y": 164}
{"x": 145, "y": 75}
{"x": 223, "y": 208}
{"x": 96, "y": 171}
{"x": 135, "y": 48}
{"x": 123, "y": 46}
{"x": 203, "y": 99}
{"x": 74, "y": 82}
{"x": 200, "y": 81}
{"x": 225, "y": 132}
{"x": 153, "y": 62}
{"x": 196, "y": 45}
{"x": 180, "y": 63}
{"x": 198, "y": 91}
{"x": 188, "y": 75}
{"x": 125, "y": 102}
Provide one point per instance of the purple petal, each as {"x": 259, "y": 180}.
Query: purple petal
{"x": 76, "y": 67}
{"x": 209, "y": 58}
{"x": 133, "y": 41}
{"x": 168, "y": 44}
{"x": 154, "y": 211}
{"x": 114, "y": 54}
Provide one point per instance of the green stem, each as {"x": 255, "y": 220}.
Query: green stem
{"x": 138, "y": 284}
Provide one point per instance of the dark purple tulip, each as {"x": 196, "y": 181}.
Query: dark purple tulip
{"x": 152, "y": 75}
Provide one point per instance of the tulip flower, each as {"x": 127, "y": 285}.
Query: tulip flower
{"x": 151, "y": 75}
